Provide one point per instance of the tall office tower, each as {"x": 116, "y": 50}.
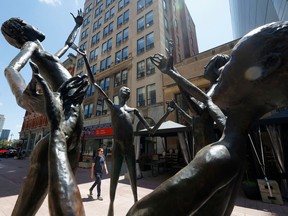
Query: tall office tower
{"x": 249, "y": 14}
{"x": 2, "y": 120}
{"x": 119, "y": 37}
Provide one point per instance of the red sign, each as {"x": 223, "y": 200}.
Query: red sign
{"x": 97, "y": 132}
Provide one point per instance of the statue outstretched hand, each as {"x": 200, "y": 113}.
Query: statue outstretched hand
{"x": 79, "y": 18}
{"x": 164, "y": 63}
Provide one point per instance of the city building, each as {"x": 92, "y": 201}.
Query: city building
{"x": 35, "y": 126}
{"x": 5, "y": 134}
{"x": 119, "y": 37}
{"x": 249, "y": 14}
{"x": 2, "y": 120}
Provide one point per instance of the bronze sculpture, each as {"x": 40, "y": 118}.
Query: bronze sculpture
{"x": 205, "y": 112}
{"x": 28, "y": 39}
{"x": 252, "y": 83}
{"x": 123, "y": 135}
{"x": 63, "y": 194}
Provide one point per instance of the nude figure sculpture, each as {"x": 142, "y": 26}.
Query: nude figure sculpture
{"x": 252, "y": 83}
{"x": 123, "y": 135}
{"x": 27, "y": 39}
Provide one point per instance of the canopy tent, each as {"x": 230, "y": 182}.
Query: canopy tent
{"x": 276, "y": 125}
{"x": 167, "y": 129}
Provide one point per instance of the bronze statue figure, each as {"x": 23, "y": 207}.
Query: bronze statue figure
{"x": 252, "y": 83}
{"x": 205, "y": 112}
{"x": 62, "y": 110}
{"x": 123, "y": 135}
{"x": 28, "y": 40}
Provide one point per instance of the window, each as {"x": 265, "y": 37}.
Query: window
{"x": 102, "y": 65}
{"x": 108, "y": 2}
{"x": 117, "y": 79}
{"x": 94, "y": 69}
{"x": 124, "y": 76}
{"x": 90, "y": 110}
{"x": 106, "y": 84}
{"x": 93, "y": 40}
{"x": 150, "y": 67}
{"x": 141, "y": 69}
{"x": 105, "y": 32}
{"x": 84, "y": 34}
{"x": 150, "y": 40}
{"x": 99, "y": 107}
{"x": 149, "y": 19}
{"x": 99, "y": 22}
{"x": 125, "y": 34}
{"x": 140, "y": 97}
{"x": 118, "y": 38}
{"x": 148, "y": 2}
{"x": 86, "y": 107}
{"x": 107, "y": 15}
{"x": 98, "y": 37}
{"x": 104, "y": 47}
{"x": 80, "y": 63}
{"x": 120, "y": 4}
{"x": 96, "y": 12}
{"x": 95, "y": 25}
{"x": 126, "y": 2}
{"x": 140, "y": 24}
{"x": 93, "y": 54}
{"x": 83, "y": 46}
{"x": 120, "y": 78}
{"x": 108, "y": 62}
{"x": 109, "y": 44}
{"x": 140, "y": 45}
{"x": 101, "y": 8}
{"x": 125, "y": 53}
{"x": 112, "y": 12}
{"x": 111, "y": 26}
{"x": 118, "y": 57}
{"x": 119, "y": 21}
{"x": 151, "y": 94}
{"x": 126, "y": 16}
{"x": 140, "y": 5}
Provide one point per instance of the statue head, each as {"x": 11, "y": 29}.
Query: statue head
{"x": 124, "y": 93}
{"x": 256, "y": 74}
{"x": 211, "y": 70}
{"x": 17, "y": 32}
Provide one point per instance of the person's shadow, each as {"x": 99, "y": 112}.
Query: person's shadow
{"x": 88, "y": 199}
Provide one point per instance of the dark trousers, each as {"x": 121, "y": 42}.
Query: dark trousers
{"x": 98, "y": 178}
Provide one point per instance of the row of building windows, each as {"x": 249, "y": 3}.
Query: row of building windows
{"x": 145, "y": 96}
{"x": 146, "y": 42}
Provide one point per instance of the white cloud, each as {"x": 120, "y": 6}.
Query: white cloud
{"x": 51, "y": 2}
{"x": 1, "y": 104}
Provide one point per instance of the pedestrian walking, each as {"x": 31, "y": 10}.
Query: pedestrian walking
{"x": 98, "y": 166}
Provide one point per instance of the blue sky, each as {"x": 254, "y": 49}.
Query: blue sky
{"x": 53, "y": 18}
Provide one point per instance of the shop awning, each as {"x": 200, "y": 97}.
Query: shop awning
{"x": 275, "y": 118}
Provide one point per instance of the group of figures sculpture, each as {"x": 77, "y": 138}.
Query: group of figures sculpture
{"x": 245, "y": 86}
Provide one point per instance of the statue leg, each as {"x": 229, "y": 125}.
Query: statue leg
{"x": 117, "y": 160}
{"x": 34, "y": 189}
{"x": 131, "y": 165}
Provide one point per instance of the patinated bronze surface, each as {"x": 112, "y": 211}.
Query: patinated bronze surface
{"x": 62, "y": 109}
{"x": 28, "y": 40}
{"x": 252, "y": 83}
{"x": 123, "y": 135}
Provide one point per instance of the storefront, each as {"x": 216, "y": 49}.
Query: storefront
{"x": 94, "y": 137}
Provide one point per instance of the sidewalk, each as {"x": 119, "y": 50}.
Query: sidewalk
{"x": 13, "y": 171}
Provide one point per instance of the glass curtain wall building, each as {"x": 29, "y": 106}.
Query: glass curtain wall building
{"x": 249, "y": 14}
